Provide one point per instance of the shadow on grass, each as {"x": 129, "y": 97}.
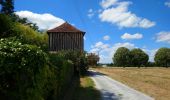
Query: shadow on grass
{"x": 85, "y": 90}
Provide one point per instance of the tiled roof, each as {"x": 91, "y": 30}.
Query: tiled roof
{"x": 65, "y": 27}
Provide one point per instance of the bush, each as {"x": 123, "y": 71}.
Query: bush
{"x": 27, "y": 35}
{"x": 92, "y": 59}
{"x": 78, "y": 59}
{"x": 24, "y": 33}
{"x": 23, "y": 70}
{"x": 5, "y": 26}
{"x": 64, "y": 73}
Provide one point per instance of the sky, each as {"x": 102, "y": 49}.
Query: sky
{"x": 109, "y": 24}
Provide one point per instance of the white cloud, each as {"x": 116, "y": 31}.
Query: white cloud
{"x": 108, "y": 3}
{"x": 117, "y": 12}
{"x": 100, "y": 46}
{"x": 84, "y": 38}
{"x": 106, "y": 37}
{"x": 91, "y": 13}
{"x": 106, "y": 51}
{"x": 167, "y": 3}
{"x": 44, "y": 21}
{"x": 128, "y": 36}
{"x": 163, "y": 37}
{"x": 151, "y": 53}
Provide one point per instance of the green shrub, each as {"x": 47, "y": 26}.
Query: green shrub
{"x": 24, "y": 33}
{"x": 78, "y": 59}
{"x": 5, "y": 26}
{"x": 29, "y": 36}
{"x": 64, "y": 71}
{"x": 23, "y": 71}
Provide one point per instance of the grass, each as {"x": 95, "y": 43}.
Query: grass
{"x": 152, "y": 81}
{"x": 86, "y": 90}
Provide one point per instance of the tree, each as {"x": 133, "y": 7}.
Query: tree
{"x": 6, "y": 26}
{"x": 138, "y": 58}
{"x": 7, "y": 6}
{"x": 121, "y": 57}
{"x": 162, "y": 57}
{"x": 92, "y": 59}
{"x": 25, "y": 21}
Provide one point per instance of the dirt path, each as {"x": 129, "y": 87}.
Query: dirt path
{"x": 114, "y": 90}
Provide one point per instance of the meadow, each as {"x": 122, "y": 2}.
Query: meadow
{"x": 154, "y": 82}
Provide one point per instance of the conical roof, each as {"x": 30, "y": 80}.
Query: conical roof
{"x": 65, "y": 27}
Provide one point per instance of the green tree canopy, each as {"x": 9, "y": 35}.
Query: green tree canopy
{"x": 162, "y": 57}
{"x": 7, "y": 6}
{"x": 121, "y": 57}
{"x": 92, "y": 59}
{"x": 6, "y": 25}
{"x": 138, "y": 58}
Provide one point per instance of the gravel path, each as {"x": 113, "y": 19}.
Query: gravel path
{"x": 114, "y": 90}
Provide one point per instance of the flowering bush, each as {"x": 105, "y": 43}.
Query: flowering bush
{"x": 22, "y": 70}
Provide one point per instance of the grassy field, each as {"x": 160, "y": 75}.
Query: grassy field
{"x": 86, "y": 90}
{"x": 152, "y": 81}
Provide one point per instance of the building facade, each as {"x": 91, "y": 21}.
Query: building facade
{"x": 66, "y": 37}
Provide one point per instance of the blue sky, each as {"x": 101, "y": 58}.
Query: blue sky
{"x": 108, "y": 24}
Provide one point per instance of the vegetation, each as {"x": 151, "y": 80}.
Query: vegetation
{"x": 8, "y": 9}
{"x": 86, "y": 90}
{"x": 7, "y": 6}
{"x": 162, "y": 57}
{"x": 27, "y": 70}
{"x": 23, "y": 70}
{"x": 138, "y": 58}
{"x": 92, "y": 59}
{"x": 121, "y": 57}
{"x": 22, "y": 32}
{"x": 152, "y": 81}
{"x": 124, "y": 57}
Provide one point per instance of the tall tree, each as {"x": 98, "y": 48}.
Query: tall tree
{"x": 7, "y": 6}
{"x": 6, "y": 26}
{"x": 92, "y": 59}
{"x": 138, "y": 58}
{"x": 121, "y": 57}
{"x": 162, "y": 57}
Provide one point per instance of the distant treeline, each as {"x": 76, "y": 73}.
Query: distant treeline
{"x": 138, "y": 58}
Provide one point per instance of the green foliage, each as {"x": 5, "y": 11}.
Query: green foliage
{"x": 121, "y": 57}
{"x": 24, "y": 21}
{"x": 24, "y": 33}
{"x": 151, "y": 64}
{"x": 29, "y": 36}
{"x": 135, "y": 58}
{"x": 64, "y": 72}
{"x": 27, "y": 73}
{"x": 92, "y": 59}
{"x": 6, "y": 26}
{"x": 138, "y": 58}
{"x": 7, "y": 6}
{"x": 78, "y": 59}
{"x": 23, "y": 71}
{"x": 162, "y": 57}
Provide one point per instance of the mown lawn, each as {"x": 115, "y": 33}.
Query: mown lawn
{"x": 86, "y": 90}
{"x": 152, "y": 81}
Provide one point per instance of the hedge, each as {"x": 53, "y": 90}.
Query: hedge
{"x": 22, "y": 71}
{"x": 28, "y": 73}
